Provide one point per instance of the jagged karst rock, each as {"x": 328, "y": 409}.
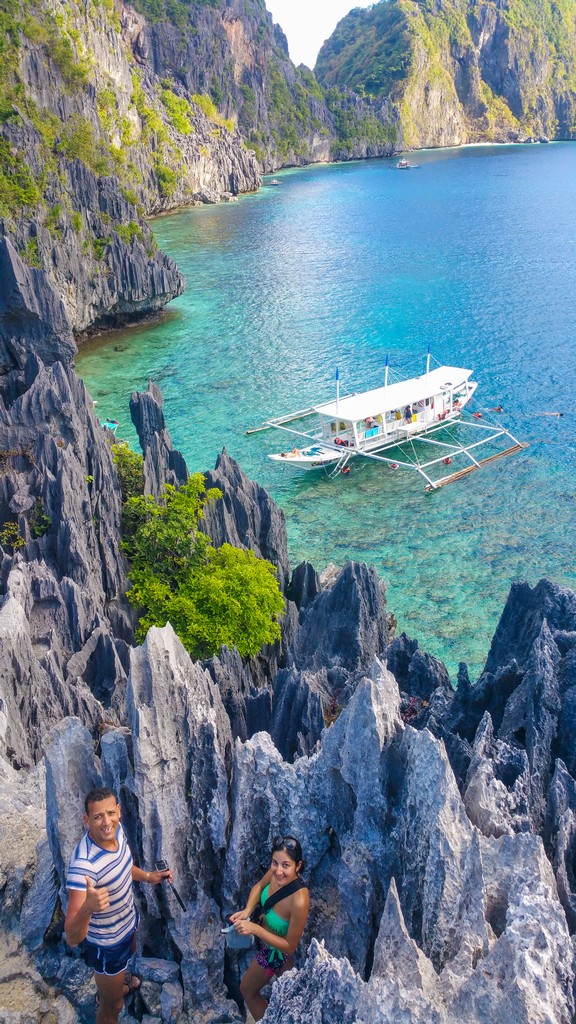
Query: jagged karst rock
{"x": 33, "y": 689}
{"x": 529, "y": 697}
{"x": 22, "y": 854}
{"x": 522, "y": 618}
{"x": 32, "y": 316}
{"x": 162, "y": 463}
{"x": 325, "y": 989}
{"x": 64, "y": 589}
{"x": 401, "y": 975}
{"x": 561, "y": 837}
{"x": 497, "y": 787}
{"x": 339, "y": 633}
{"x": 71, "y": 773}
{"x": 245, "y": 516}
{"x": 248, "y": 707}
{"x": 345, "y": 626}
{"x": 304, "y": 585}
{"x": 416, "y": 672}
{"x": 300, "y": 701}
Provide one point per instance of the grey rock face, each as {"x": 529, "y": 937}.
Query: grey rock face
{"x": 324, "y": 989}
{"x": 71, "y": 773}
{"x": 304, "y": 585}
{"x": 63, "y": 610}
{"x": 22, "y": 852}
{"x": 417, "y": 673}
{"x": 528, "y": 694}
{"x": 340, "y": 630}
{"x": 497, "y": 788}
{"x": 300, "y": 701}
{"x": 32, "y": 316}
{"x": 561, "y": 836}
{"x": 248, "y": 707}
{"x": 245, "y": 516}
{"x": 153, "y": 969}
{"x": 162, "y": 464}
{"x": 346, "y": 626}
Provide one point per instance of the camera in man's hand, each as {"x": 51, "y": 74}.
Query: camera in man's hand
{"x": 161, "y": 865}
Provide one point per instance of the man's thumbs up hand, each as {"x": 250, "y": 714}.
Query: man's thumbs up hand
{"x": 96, "y": 899}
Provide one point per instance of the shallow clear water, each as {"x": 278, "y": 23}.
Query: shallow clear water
{"x": 474, "y": 251}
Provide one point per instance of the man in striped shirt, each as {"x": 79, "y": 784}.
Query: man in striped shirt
{"x": 101, "y": 915}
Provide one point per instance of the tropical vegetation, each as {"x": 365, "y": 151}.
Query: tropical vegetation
{"x": 211, "y": 596}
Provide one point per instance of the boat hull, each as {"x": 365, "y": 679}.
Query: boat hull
{"x": 306, "y": 460}
{"x": 321, "y": 457}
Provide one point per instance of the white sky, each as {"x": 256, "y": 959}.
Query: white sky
{"x": 308, "y": 23}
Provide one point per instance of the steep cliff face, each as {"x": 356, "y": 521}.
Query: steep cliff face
{"x": 460, "y": 71}
{"x": 232, "y": 50}
{"x": 91, "y": 141}
{"x": 109, "y": 114}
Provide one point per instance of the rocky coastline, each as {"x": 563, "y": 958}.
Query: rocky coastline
{"x": 439, "y": 824}
{"x": 112, "y": 113}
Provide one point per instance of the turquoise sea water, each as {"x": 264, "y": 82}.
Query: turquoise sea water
{"x": 475, "y": 252}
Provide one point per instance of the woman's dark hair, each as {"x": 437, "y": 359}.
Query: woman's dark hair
{"x": 98, "y": 794}
{"x": 292, "y": 847}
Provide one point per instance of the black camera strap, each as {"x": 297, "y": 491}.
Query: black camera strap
{"x": 281, "y": 894}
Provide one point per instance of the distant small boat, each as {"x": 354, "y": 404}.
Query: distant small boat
{"x": 275, "y": 181}
{"x": 403, "y": 164}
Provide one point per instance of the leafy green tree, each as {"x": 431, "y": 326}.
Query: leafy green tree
{"x": 130, "y": 466}
{"x": 211, "y": 597}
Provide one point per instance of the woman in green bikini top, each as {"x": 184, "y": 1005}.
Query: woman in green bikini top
{"x": 280, "y": 928}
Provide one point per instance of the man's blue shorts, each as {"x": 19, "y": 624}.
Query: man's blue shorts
{"x": 108, "y": 959}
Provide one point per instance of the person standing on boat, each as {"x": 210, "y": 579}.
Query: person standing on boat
{"x": 280, "y": 929}
{"x": 408, "y": 414}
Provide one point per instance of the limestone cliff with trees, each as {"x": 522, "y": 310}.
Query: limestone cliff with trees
{"x": 110, "y": 113}
{"x": 439, "y": 823}
{"x": 461, "y": 71}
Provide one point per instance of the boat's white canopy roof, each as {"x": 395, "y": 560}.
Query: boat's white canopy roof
{"x": 394, "y": 396}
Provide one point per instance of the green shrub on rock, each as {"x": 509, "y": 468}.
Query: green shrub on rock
{"x": 167, "y": 179}
{"x": 18, "y": 188}
{"x": 211, "y": 597}
{"x": 130, "y": 467}
{"x": 178, "y": 110}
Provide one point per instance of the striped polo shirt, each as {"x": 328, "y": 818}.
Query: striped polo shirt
{"x": 110, "y": 869}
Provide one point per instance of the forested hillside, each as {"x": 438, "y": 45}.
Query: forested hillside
{"x": 369, "y": 51}
{"x": 110, "y": 113}
{"x": 462, "y": 70}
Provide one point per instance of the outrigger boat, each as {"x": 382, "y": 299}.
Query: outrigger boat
{"x": 408, "y": 424}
